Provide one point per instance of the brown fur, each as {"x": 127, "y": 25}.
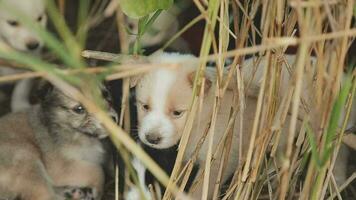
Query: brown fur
{"x": 40, "y": 152}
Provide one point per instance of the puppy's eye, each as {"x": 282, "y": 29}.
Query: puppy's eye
{"x": 145, "y": 107}
{"x": 40, "y": 18}
{"x": 12, "y": 23}
{"x": 79, "y": 109}
{"x": 177, "y": 113}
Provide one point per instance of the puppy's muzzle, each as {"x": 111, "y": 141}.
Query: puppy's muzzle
{"x": 153, "y": 138}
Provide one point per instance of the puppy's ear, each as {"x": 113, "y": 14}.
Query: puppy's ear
{"x": 209, "y": 78}
{"x": 44, "y": 89}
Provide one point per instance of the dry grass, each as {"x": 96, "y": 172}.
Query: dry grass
{"x": 323, "y": 29}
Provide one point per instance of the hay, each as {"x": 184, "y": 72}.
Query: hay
{"x": 322, "y": 29}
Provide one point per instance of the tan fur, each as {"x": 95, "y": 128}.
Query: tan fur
{"x": 37, "y": 158}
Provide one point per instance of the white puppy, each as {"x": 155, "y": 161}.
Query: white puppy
{"x": 164, "y": 97}
{"x": 13, "y": 32}
{"x": 20, "y": 37}
{"x": 163, "y": 100}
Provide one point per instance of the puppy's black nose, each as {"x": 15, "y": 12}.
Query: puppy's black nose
{"x": 153, "y": 138}
{"x": 32, "y": 45}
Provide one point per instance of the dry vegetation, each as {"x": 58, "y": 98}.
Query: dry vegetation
{"x": 324, "y": 29}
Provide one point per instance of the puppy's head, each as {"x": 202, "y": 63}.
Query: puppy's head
{"x": 16, "y": 34}
{"x": 63, "y": 113}
{"x": 163, "y": 100}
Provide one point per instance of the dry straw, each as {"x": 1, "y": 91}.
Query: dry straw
{"x": 322, "y": 29}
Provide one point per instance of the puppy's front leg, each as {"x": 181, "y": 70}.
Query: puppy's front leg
{"x": 82, "y": 175}
{"x": 133, "y": 192}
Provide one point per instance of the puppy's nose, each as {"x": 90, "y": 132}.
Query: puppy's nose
{"x": 32, "y": 45}
{"x": 153, "y": 138}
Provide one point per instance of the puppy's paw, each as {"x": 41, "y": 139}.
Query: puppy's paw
{"x": 78, "y": 193}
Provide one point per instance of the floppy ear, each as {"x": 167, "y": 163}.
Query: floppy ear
{"x": 208, "y": 80}
{"x": 44, "y": 89}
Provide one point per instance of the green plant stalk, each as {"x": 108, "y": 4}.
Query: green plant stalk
{"x": 140, "y": 8}
{"x": 334, "y": 119}
{"x": 82, "y": 25}
{"x": 313, "y": 145}
{"x": 150, "y": 21}
{"x": 330, "y": 136}
{"x": 213, "y": 9}
{"x": 137, "y": 46}
{"x": 37, "y": 64}
{"x": 69, "y": 40}
{"x": 180, "y": 32}
{"x": 144, "y": 24}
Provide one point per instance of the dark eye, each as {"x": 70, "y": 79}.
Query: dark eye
{"x": 79, "y": 109}
{"x": 177, "y": 113}
{"x": 131, "y": 26}
{"x": 12, "y": 23}
{"x": 145, "y": 107}
{"x": 40, "y": 18}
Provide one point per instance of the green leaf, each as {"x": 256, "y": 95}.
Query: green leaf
{"x": 336, "y": 114}
{"x": 140, "y": 8}
{"x": 313, "y": 145}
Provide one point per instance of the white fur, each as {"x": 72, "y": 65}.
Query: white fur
{"x": 160, "y": 57}
{"x": 161, "y": 82}
{"x": 134, "y": 193}
{"x": 20, "y": 95}
{"x": 19, "y": 38}
{"x": 156, "y": 120}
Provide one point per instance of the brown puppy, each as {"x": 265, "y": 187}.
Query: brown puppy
{"x": 52, "y": 151}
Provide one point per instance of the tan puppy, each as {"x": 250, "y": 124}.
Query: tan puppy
{"x": 52, "y": 151}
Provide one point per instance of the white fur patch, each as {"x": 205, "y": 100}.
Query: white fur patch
{"x": 19, "y": 36}
{"x": 134, "y": 193}
{"x": 157, "y": 120}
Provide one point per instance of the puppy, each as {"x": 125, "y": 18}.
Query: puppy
{"x": 19, "y": 37}
{"x": 52, "y": 151}
{"x": 163, "y": 99}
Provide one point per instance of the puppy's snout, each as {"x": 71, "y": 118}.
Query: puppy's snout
{"x": 153, "y": 138}
{"x": 33, "y": 45}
